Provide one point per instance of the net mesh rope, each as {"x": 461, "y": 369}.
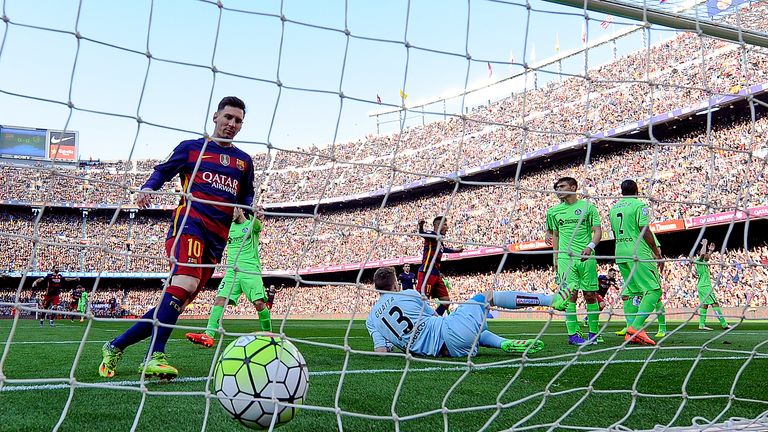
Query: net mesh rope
{"x": 333, "y": 166}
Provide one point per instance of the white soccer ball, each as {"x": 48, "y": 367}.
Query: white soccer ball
{"x": 253, "y": 373}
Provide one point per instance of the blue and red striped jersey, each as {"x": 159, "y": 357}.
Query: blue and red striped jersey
{"x": 54, "y": 284}
{"x": 225, "y": 175}
{"x": 432, "y": 253}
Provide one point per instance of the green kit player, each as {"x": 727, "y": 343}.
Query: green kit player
{"x": 573, "y": 226}
{"x": 704, "y": 287}
{"x": 242, "y": 250}
{"x": 636, "y": 248}
{"x": 82, "y": 304}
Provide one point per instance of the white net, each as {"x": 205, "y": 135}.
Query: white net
{"x": 362, "y": 120}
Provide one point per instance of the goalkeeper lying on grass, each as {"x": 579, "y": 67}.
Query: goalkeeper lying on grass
{"x": 406, "y": 321}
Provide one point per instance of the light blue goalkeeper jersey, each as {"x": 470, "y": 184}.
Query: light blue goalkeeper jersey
{"x": 404, "y": 318}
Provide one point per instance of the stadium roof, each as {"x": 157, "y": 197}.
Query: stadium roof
{"x": 716, "y": 18}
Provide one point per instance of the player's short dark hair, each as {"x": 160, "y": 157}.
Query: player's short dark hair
{"x": 233, "y": 101}
{"x": 384, "y": 279}
{"x": 438, "y": 220}
{"x": 628, "y": 187}
{"x": 569, "y": 180}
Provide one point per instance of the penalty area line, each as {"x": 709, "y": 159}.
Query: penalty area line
{"x": 108, "y": 384}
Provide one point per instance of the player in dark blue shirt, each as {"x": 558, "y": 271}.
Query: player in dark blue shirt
{"x": 198, "y": 233}
{"x": 407, "y": 279}
{"x": 433, "y": 285}
{"x": 52, "y": 298}
{"x": 604, "y": 283}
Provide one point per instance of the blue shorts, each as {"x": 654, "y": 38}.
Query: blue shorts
{"x": 462, "y": 327}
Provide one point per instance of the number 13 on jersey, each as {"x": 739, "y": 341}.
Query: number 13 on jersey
{"x": 399, "y": 324}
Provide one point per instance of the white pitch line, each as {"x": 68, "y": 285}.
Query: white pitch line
{"x": 741, "y": 332}
{"x": 68, "y": 342}
{"x": 609, "y": 333}
{"x": 13, "y": 387}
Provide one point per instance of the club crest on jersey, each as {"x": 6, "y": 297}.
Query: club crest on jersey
{"x": 224, "y": 159}
{"x": 245, "y": 230}
{"x": 577, "y": 212}
{"x": 241, "y": 165}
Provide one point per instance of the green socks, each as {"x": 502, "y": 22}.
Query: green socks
{"x": 571, "y": 321}
{"x": 660, "y": 311}
{"x": 265, "y": 319}
{"x": 702, "y": 317}
{"x": 630, "y": 310}
{"x": 719, "y": 315}
{"x": 647, "y": 306}
{"x": 213, "y": 321}
{"x": 593, "y": 317}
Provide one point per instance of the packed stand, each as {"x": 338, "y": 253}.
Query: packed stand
{"x": 691, "y": 176}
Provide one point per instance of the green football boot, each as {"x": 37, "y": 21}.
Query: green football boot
{"x": 158, "y": 367}
{"x": 519, "y": 346}
{"x": 110, "y": 355}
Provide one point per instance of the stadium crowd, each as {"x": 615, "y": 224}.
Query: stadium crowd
{"x": 682, "y": 180}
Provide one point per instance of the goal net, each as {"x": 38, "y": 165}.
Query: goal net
{"x": 363, "y": 119}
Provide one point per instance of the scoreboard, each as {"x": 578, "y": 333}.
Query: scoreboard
{"x": 23, "y": 142}
{"x": 29, "y": 143}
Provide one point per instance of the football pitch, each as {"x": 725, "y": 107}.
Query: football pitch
{"x": 593, "y": 389}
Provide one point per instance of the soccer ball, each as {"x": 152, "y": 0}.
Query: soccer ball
{"x": 254, "y": 370}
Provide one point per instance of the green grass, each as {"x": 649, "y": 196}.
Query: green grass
{"x": 49, "y": 353}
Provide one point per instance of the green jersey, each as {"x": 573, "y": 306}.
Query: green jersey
{"x": 628, "y": 217}
{"x": 246, "y": 236}
{"x": 573, "y": 224}
{"x": 702, "y": 270}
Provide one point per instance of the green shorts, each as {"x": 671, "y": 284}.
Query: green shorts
{"x": 639, "y": 277}
{"x": 232, "y": 286}
{"x": 576, "y": 274}
{"x": 706, "y": 295}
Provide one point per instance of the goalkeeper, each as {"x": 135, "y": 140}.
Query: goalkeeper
{"x": 243, "y": 252}
{"x": 406, "y": 321}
